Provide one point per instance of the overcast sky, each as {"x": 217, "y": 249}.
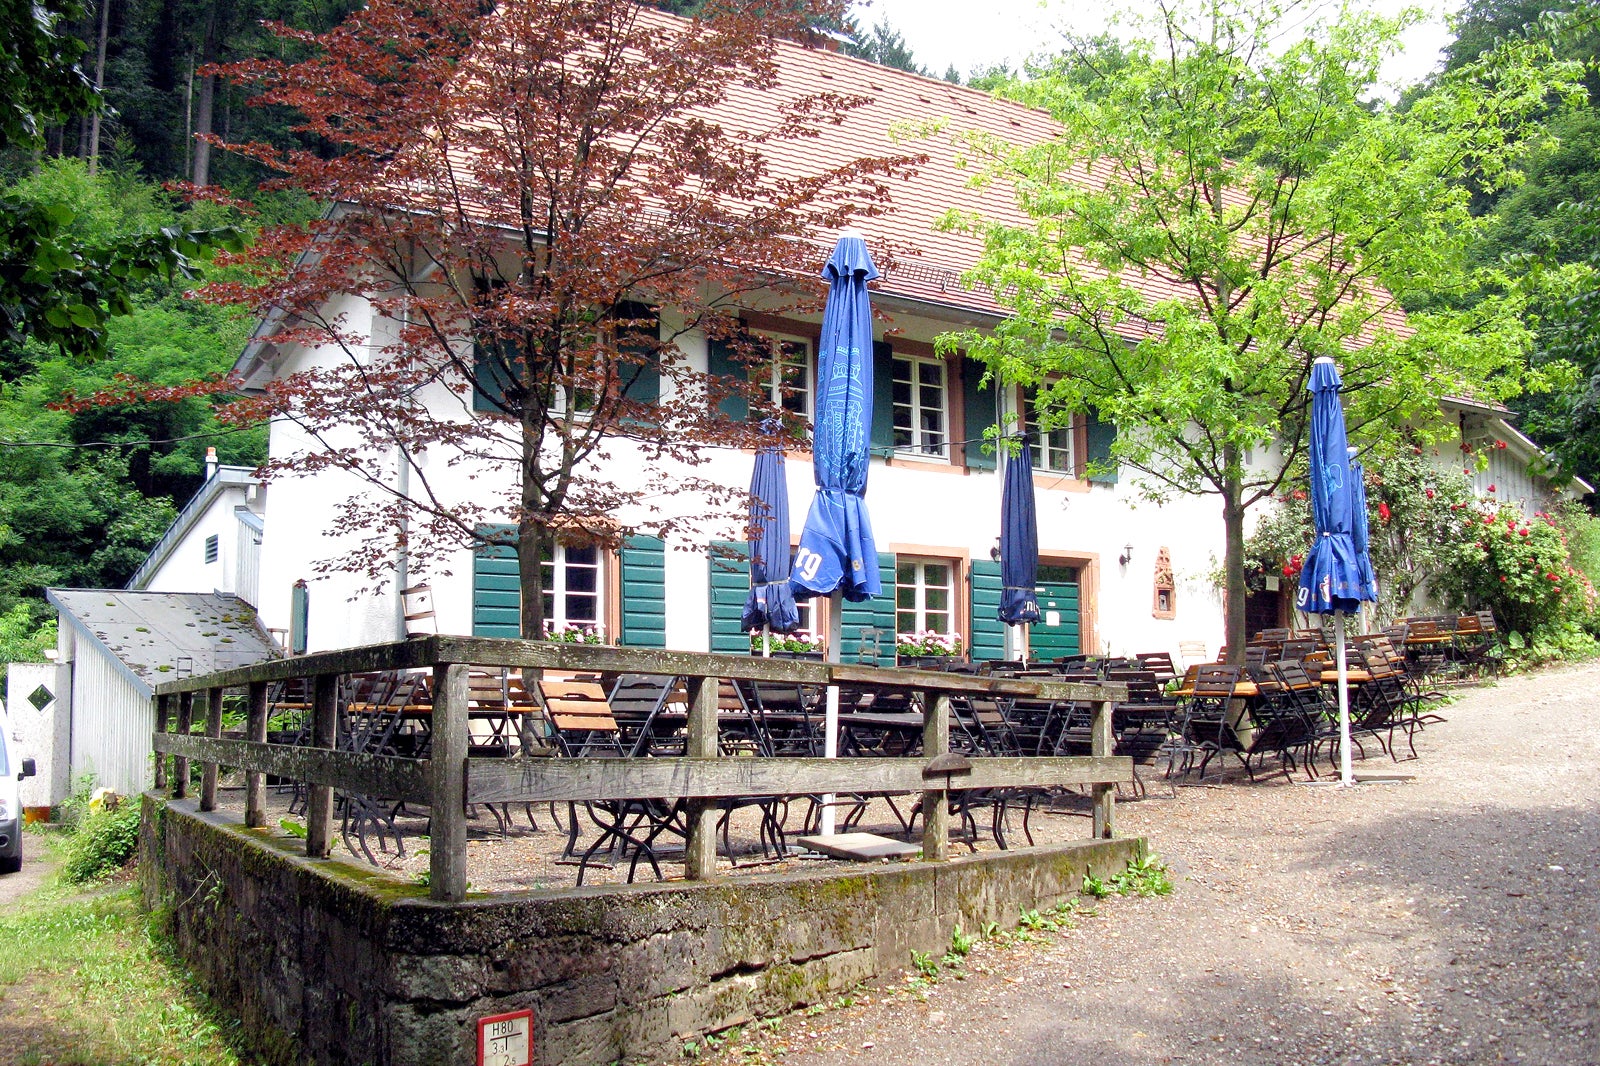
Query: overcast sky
{"x": 977, "y": 33}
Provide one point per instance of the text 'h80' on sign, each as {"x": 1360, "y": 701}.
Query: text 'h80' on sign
{"x": 506, "y": 1039}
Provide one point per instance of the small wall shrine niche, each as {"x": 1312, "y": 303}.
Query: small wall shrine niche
{"x": 1166, "y": 597}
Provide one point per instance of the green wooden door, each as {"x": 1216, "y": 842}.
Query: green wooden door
{"x": 1056, "y": 633}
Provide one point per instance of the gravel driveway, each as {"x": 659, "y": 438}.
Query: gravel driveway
{"x": 1449, "y": 919}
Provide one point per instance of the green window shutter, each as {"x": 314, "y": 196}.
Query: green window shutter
{"x": 720, "y": 362}
{"x": 987, "y": 634}
{"x": 491, "y": 377}
{"x": 876, "y": 613}
{"x": 1100, "y": 435}
{"x": 644, "y": 592}
{"x": 882, "y": 442}
{"x": 641, "y": 384}
{"x": 496, "y": 588}
{"x": 730, "y": 587}
{"x": 981, "y": 410}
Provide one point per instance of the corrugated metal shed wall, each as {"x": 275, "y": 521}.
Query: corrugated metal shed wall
{"x": 112, "y": 723}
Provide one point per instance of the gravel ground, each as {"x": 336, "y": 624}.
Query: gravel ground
{"x": 1449, "y": 919}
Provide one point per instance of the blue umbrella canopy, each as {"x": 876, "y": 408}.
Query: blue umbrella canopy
{"x": 1359, "y": 532}
{"x": 836, "y": 550}
{"x": 1332, "y": 578}
{"x": 771, "y": 600}
{"x": 1019, "y": 541}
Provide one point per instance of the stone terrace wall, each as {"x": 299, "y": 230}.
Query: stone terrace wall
{"x": 329, "y": 962}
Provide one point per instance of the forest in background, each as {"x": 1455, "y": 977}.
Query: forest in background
{"x": 84, "y": 495}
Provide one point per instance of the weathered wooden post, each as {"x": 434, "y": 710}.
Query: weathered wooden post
{"x": 255, "y": 782}
{"x": 209, "y": 769}
{"x": 447, "y": 785}
{"x": 163, "y": 716}
{"x": 324, "y": 734}
{"x": 700, "y": 855}
{"x": 180, "y": 763}
{"x": 1105, "y": 794}
{"x": 935, "y": 801}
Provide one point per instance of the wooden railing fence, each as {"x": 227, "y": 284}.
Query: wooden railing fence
{"x": 448, "y": 781}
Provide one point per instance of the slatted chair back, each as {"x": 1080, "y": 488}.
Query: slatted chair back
{"x": 786, "y": 716}
{"x": 1271, "y": 636}
{"x": 1422, "y": 629}
{"x": 1192, "y": 651}
{"x": 1216, "y": 681}
{"x": 1486, "y": 622}
{"x": 1160, "y": 664}
{"x": 636, "y": 701}
{"x": 1297, "y": 649}
{"x": 1258, "y": 654}
{"x": 581, "y": 717}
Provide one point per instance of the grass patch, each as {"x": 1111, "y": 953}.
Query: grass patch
{"x": 84, "y": 982}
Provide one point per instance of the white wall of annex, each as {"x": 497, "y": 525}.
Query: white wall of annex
{"x": 185, "y": 569}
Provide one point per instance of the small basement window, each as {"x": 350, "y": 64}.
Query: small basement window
{"x": 211, "y": 548}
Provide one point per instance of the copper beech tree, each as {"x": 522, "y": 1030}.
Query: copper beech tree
{"x": 529, "y": 204}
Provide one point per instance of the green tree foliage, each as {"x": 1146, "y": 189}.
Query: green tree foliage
{"x": 1544, "y": 229}
{"x": 1221, "y": 210}
{"x": 40, "y": 82}
{"x": 883, "y": 45}
{"x": 84, "y": 494}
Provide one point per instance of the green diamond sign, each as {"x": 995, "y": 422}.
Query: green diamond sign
{"x": 41, "y": 698}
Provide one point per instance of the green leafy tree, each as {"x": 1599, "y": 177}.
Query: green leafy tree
{"x": 1219, "y": 211}
{"x": 85, "y": 490}
{"x": 57, "y": 286}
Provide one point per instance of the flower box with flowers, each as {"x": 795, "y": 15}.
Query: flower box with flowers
{"x": 574, "y": 632}
{"x": 798, "y": 645}
{"x": 927, "y": 649}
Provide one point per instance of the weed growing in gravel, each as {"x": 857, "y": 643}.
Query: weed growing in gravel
{"x": 1148, "y": 876}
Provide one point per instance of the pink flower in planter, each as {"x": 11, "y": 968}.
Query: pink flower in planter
{"x": 1491, "y": 488}
{"x": 1430, "y": 494}
{"x": 1500, "y": 444}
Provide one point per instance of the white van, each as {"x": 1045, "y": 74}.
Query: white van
{"x": 12, "y": 770}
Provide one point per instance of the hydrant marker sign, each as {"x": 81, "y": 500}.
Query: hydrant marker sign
{"x": 506, "y": 1039}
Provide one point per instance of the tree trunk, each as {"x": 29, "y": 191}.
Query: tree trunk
{"x": 204, "y": 104}
{"x": 1233, "y": 566}
{"x": 99, "y": 87}
{"x": 532, "y": 540}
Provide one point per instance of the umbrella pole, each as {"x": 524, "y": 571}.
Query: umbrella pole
{"x": 830, "y": 714}
{"x": 766, "y": 640}
{"x": 1346, "y": 777}
{"x": 1024, "y": 656}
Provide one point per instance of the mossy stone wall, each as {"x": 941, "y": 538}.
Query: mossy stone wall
{"x": 328, "y": 962}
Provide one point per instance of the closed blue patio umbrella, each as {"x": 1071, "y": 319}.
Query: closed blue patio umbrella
{"x": 837, "y": 552}
{"x": 1019, "y": 542}
{"x": 1360, "y": 534}
{"x": 837, "y": 556}
{"x": 1331, "y": 582}
{"x": 770, "y": 606}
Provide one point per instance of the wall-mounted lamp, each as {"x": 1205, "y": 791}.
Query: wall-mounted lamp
{"x": 1127, "y": 555}
{"x": 994, "y": 550}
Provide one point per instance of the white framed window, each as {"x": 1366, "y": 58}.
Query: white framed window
{"x": 924, "y": 595}
{"x": 921, "y": 407}
{"x": 1052, "y": 449}
{"x": 786, "y": 376}
{"x": 573, "y": 592}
